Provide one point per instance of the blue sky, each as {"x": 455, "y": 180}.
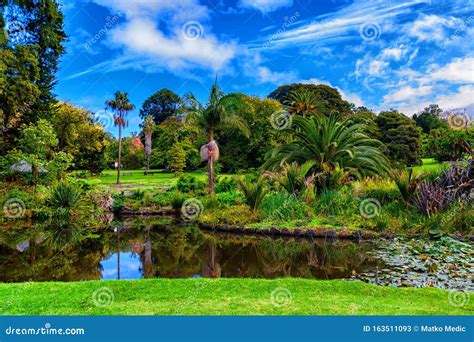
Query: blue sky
{"x": 381, "y": 54}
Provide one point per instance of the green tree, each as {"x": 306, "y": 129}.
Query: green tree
{"x": 450, "y": 144}
{"x": 302, "y": 102}
{"x": 401, "y": 137}
{"x": 179, "y": 159}
{"x": 161, "y": 105}
{"x": 328, "y": 99}
{"x": 334, "y": 146}
{"x": 121, "y": 106}
{"x": 219, "y": 111}
{"x": 430, "y": 118}
{"x": 148, "y": 127}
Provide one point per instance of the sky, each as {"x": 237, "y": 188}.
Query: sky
{"x": 383, "y": 55}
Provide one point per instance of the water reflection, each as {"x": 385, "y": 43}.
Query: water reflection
{"x": 130, "y": 250}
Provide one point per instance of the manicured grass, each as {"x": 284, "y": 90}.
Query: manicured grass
{"x": 430, "y": 165}
{"x": 224, "y": 297}
{"x": 137, "y": 177}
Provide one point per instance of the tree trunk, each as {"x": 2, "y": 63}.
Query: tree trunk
{"x": 210, "y": 174}
{"x": 119, "y": 155}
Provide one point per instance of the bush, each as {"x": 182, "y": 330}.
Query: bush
{"x": 119, "y": 202}
{"x": 137, "y": 195}
{"x": 64, "y": 196}
{"x": 187, "y": 184}
{"x": 282, "y": 206}
{"x": 234, "y": 215}
{"x": 253, "y": 191}
{"x": 225, "y": 184}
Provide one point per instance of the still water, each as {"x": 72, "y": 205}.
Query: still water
{"x": 133, "y": 249}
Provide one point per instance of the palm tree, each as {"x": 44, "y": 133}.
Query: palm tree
{"x": 218, "y": 112}
{"x": 148, "y": 126}
{"x": 333, "y": 145}
{"x": 121, "y": 106}
{"x": 301, "y": 103}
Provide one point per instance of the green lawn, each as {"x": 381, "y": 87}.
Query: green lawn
{"x": 129, "y": 177}
{"x": 288, "y": 296}
{"x": 429, "y": 165}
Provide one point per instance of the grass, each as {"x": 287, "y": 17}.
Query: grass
{"x": 224, "y": 297}
{"x": 134, "y": 177}
{"x": 429, "y": 165}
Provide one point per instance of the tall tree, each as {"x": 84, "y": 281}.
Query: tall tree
{"x": 148, "y": 127}
{"x": 401, "y": 137}
{"x": 430, "y": 118}
{"x": 121, "y": 106}
{"x": 161, "y": 105}
{"x": 328, "y": 99}
{"x": 219, "y": 111}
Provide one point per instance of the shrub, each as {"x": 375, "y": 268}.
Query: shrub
{"x": 225, "y": 184}
{"x": 229, "y": 198}
{"x": 64, "y": 196}
{"x": 137, "y": 195}
{"x": 254, "y": 192}
{"x": 119, "y": 202}
{"x": 283, "y": 207}
{"x": 188, "y": 184}
{"x": 234, "y": 215}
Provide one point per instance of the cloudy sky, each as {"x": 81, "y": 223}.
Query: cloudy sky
{"x": 380, "y": 54}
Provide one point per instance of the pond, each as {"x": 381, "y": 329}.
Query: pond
{"x": 153, "y": 248}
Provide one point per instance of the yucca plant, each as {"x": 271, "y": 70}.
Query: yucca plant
{"x": 254, "y": 191}
{"x": 407, "y": 183}
{"x": 332, "y": 145}
{"x": 64, "y": 198}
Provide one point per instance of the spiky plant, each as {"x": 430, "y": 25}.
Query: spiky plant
{"x": 294, "y": 178}
{"x": 121, "y": 106}
{"x": 332, "y": 145}
{"x": 407, "y": 182}
{"x": 219, "y": 111}
{"x": 302, "y": 103}
{"x": 253, "y": 191}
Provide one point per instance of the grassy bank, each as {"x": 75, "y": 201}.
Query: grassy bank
{"x": 224, "y": 297}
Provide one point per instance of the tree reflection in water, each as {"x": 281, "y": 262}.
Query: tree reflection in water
{"x": 66, "y": 251}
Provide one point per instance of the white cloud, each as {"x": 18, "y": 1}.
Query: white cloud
{"x": 377, "y": 67}
{"x": 393, "y": 53}
{"x": 265, "y": 6}
{"x": 432, "y": 27}
{"x": 459, "y": 70}
{"x": 462, "y": 98}
{"x": 265, "y": 75}
{"x": 408, "y": 93}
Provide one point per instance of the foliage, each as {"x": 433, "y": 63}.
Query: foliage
{"x": 254, "y": 191}
{"x": 450, "y": 144}
{"x": 294, "y": 178}
{"x": 190, "y": 184}
{"x": 179, "y": 159}
{"x": 280, "y": 206}
{"x": 401, "y": 138}
{"x": 225, "y": 184}
{"x": 407, "y": 183}
{"x": 328, "y": 99}
{"x": 430, "y": 119}
{"x": 334, "y": 146}
{"x": 64, "y": 197}
{"x": 235, "y": 214}
{"x": 302, "y": 102}
{"x": 161, "y": 105}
